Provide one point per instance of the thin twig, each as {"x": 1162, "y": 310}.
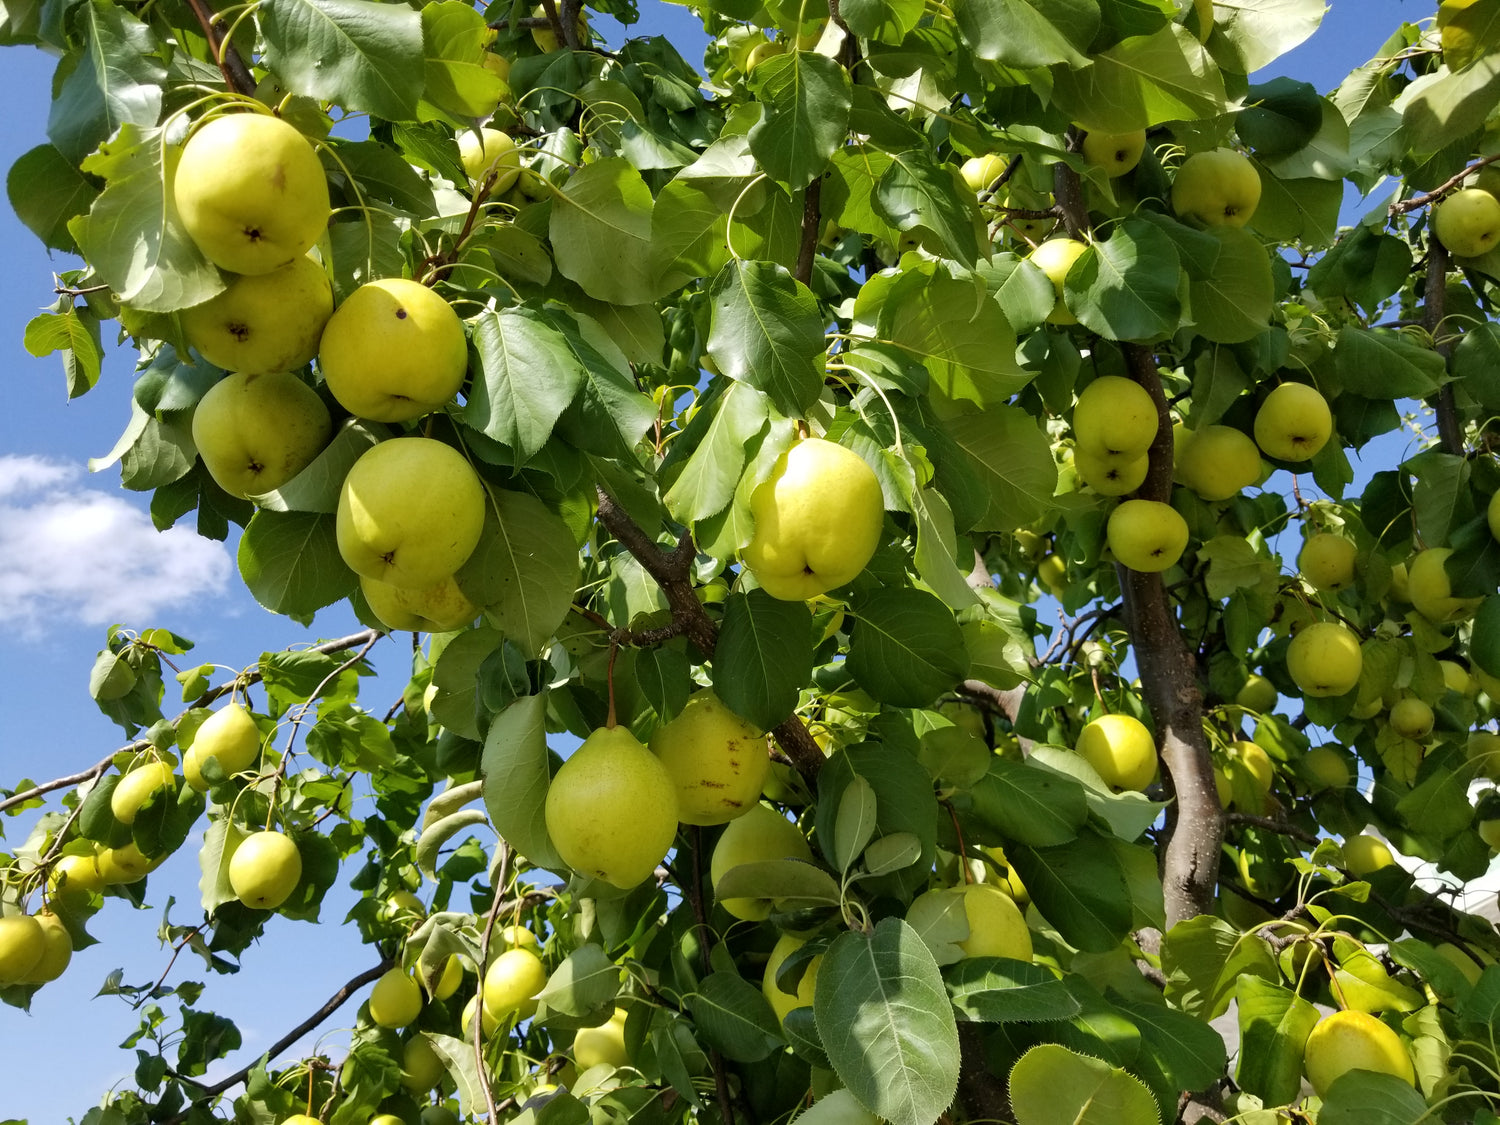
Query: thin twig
{"x": 1400, "y": 207}
{"x": 812, "y": 227}
{"x": 236, "y": 74}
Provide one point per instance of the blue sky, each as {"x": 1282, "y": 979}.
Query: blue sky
{"x": 77, "y": 553}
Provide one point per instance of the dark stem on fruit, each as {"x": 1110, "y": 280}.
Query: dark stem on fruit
{"x": 331, "y": 1005}
{"x": 1434, "y": 308}
{"x": 236, "y": 74}
{"x": 812, "y": 225}
{"x": 672, "y": 571}
{"x": 1194, "y": 832}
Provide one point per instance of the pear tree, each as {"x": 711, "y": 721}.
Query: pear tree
{"x": 934, "y": 558}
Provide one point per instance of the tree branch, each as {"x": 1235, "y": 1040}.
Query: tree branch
{"x": 1401, "y": 206}
{"x": 236, "y": 74}
{"x": 812, "y": 225}
{"x": 95, "y": 770}
{"x": 1434, "y": 308}
{"x": 980, "y": 1090}
{"x": 1195, "y": 820}
{"x": 331, "y": 1005}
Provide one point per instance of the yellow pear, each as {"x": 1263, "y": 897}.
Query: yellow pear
{"x": 1115, "y": 416}
{"x": 75, "y": 876}
{"x": 980, "y": 172}
{"x": 230, "y": 737}
{"x": 264, "y": 322}
{"x": 489, "y": 150}
{"x": 265, "y": 869}
{"x": 602, "y": 1045}
{"x": 612, "y": 809}
{"x": 257, "y": 430}
{"x": 1293, "y": 423}
{"x": 422, "y": 1068}
{"x": 396, "y": 999}
{"x": 511, "y": 984}
{"x": 439, "y": 608}
{"x": 1327, "y": 768}
{"x": 1111, "y": 475}
{"x": 1365, "y": 854}
{"x": 1055, "y": 258}
{"x": 762, "y": 835}
{"x": 1121, "y": 749}
{"x": 1216, "y": 462}
{"x": 393, "y": 351}
{"x": 818, "y": 520}
{"x": 410, "y": 512}
{"x": 1324, "y": 659}
{"x": 717, "y": 761}
{"x": 251, "y": 192}
{"x": 1114, "y": 153}
{"x": 1468, "y": 222}
{"x": 23, "y": 943}
{"x": 125, "y": 864}
{"x": 1146, "y": 535}
{"x": 57, "y": 951}
{"x": 149, "y": 782}
{"x": 1431, "y": 590}
{"x": 1346, "y": 1041}
{"x": 1216, "y": 188}
{"x": 782, "y": 1002}
{"x": 1327, "y": 561}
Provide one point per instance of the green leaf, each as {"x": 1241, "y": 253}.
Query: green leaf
{"x": 959, "y": 332}
{"x": 791, "y": 883}
{"x": 1126, "y": 288}
{"x": 999, "y": 990}
{"x": 524, "y": 569}
{"x": 601, "y": 232}
{"x": 516, "y": 777}
{"x": 1080, "y": 888}
{"x": 458, "y": 1058}
{"x": 219, "y": 842}
{"x": 735, "y": 1017}
{"x": 1232, "y": 303}
{"x": 316, "y": 488}
{"x": 1027, "y": 34}
{"x": 526, "y": 377}
{"x": 1476, "y": 364}
{"x": 937, "y": 555}
{"x": 117, "y": 81}
{"x": 1030, "y": 806}
{"x": 904, "y": 805}
{"x": 906, "y": 649}
{"x": 1298, "y": 210}
{"x": 1203, "y": 959}
{"x": 766, "y": 332}
{"x": 887, "y": 21}
{"x": 610, "y": 414}
{"x": 1261, "y": 31}
{"x": 1189, "y": 1052}
{"x": 886, "y": 1023}
{"x": 383, "y": 173}
{"x": 763, "y": 657}
{"x": 1142, "y": 81}
{"x": 915, "y": 191}
{"x": 131, "y": 235}
{"x": 456, "y": 704}
{"x": 1281, "y": 117}
{"x": 854, "y": 823}
{"x": 807, "y": 99}
{"x": 291, "y": 562}
{"x": 1365, "y": 1097}
{"x": 73, "y": 335}
{"x": 454, "y": 36}
{"x": 46, "y": 189}
{"x": 1051, "y": 1085}
{"x": 1010, "y": 458}
{"x": 1381, "y": 363}
{"x": 363, "y": 55}
{"x": 1443, "y": 107}
{"x": 703, "y": 481}
{"x": 1274, "y": 1025}
{"x": 583, "y": 984}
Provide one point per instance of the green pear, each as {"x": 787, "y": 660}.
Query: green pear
{"x": 717, "y": 760}
{"x": 487, "y": 151}
{"x": 1468, "y": 222}
{"x": 264, "y": 322}
{"x": 439, "y": 608}
{"x": 230, "y": 737}
{"x": 1146, "y": 535}
{"x": 1293, "y": 423}
{"x": 1324, "y": 659}
{"x": 265, "y": 869}
{"x": 1121, "y": 749}
{"x": 256, "y": 431}
{"x": 1216, "y": 188}
{"x": 762, "y": 835}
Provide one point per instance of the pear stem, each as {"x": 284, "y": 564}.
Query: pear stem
{"x": 614, "y": 651}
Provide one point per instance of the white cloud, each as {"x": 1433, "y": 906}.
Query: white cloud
{"x": 74, "y": 553}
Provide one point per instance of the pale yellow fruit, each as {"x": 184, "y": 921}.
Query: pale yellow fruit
{"x": 146, "y": 784}
{"x": 1121, "y": 749}
{"x": 1398, "y": 591}
{"x": 422, "y": 1068}
{"x": 410, "y": 512}
{"x": 511, "y": 984}
{"x": 490, "y": 151}
{"x": 1327, "y": 561}
{"x": 612, "y": 809}
{"x": 1328, "y": 768}
{"x": 546, "y": 39}
{"x": 1216, "y": 188}
{"x": 717, "y": 761}
{"x": 1431, "y": 590}
{"x": 23, "y": 943}
{"x": 981, "y": 172}
{"x": 1489, "y": 832}
{"x": 264, "y": 322}
{"x": 603, "y": 1045}
{"x": 996, "y": 925}
{"x": 1114, "y": 153}
{"x": 1324, "y": 659}
{"x": 1217, "y": 462}
{"x": 1456, "y": 678}
{"x": 1492, "y": 515}
{"x": 257, "y": 430}
{"x": 125, "y": 864}
{"x": 761, "y": 52}
{"x": 449, "y": 980}
{"x": 818, "y": 520}
{"x": 1346, "y": 1041}
{"x": 393, "y": 351}
{"x": 1146, "y": 535}
{"x": 1255, "y": 764}
{"x": 75, "y": 876}
{"x": 1055, "y": 258}
{"x": 230, "y": 737}
{"x": 396, "y": 999}
{"x": 1116, "y": 417}
{"x": 1483, "y": 750}
{"x": 1365, "y": 854}
{"x": 1411, "y": 717}
{"x": 518, "y": 937}
{"x": 265, "y": 869}
{"x": 57, "y": 949}
{"x": 466, "y": 1021}
{"x": 1052, "y": 572}
{"x": 1259, "y": 694}
{"x": 762, "y": 835}
{"x": 1468, "y": 222}
{"x": 1293, "y": 423}
{"x": 837, "y": 1107}
{"x": 1112, "y": 475}
{"x": 781, "y": 1001}
{"x": 440, "y": 608}
{"x": 251, "y": 193}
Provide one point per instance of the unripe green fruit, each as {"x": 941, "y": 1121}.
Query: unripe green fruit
{"x": 396, "y": 999}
